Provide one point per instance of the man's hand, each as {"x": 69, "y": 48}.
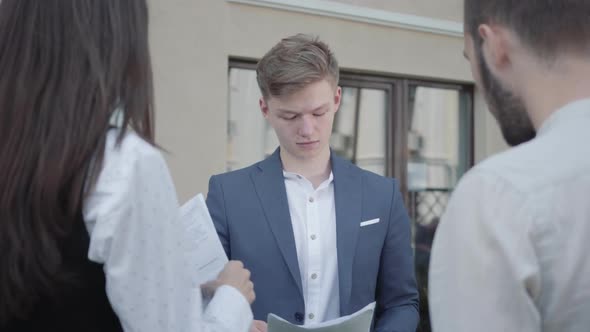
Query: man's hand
{"x": 258, "y": 326}
{"x": 234, "y": 274}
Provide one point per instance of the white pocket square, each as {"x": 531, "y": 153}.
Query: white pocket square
{"x": 369, "y": 222}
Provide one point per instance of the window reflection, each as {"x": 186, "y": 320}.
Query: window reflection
{"x": 359, "y": 132}
{"x": 437, "y": 157}
{"x": 250, "y": 137}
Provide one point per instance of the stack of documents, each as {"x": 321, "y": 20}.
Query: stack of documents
{"x": 360, "y": 321}
{"x": 204, "y": 241}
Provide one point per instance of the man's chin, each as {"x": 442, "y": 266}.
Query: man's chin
{"x": 516, "y": 138}
{"x": 308, "y": 153}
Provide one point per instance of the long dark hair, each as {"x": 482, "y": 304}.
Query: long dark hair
{"x": 65, "y": 66}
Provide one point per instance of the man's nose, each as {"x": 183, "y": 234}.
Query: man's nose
{"x": 306, "y": 125}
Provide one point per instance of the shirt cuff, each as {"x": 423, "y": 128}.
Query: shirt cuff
{"x": 230, "y": 309}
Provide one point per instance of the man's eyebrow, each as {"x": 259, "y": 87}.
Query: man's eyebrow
{"x": 287, "y": 111}
{"x": 282, "y": 110}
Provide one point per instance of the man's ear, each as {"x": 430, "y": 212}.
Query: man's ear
{"x": 338, "y": 97}
{"x": 263, "y": 107}
{"x": 495, "y": 46}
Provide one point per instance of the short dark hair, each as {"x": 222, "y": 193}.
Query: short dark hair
{"x": 294, "y": 63}
{"x": 548, "y": 27}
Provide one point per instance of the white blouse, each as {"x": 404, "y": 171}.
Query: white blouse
{"x": 132, "y": 216}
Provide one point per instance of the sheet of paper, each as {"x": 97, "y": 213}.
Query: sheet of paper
{"x": 209, "y": 256}
{"x": 360, "y": 321}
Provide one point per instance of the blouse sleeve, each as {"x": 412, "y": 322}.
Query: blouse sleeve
{"x": 132, "y": 216}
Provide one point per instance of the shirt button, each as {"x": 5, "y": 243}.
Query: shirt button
{"x": 311, "y": 199}
{"x": 311, "y": 316}
{"x": 314, "y": 276}
{"x": 313, "y": 237}
{"x": 299, "y": 317}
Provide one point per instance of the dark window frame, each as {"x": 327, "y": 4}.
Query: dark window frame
{"x": 397, "y": 89}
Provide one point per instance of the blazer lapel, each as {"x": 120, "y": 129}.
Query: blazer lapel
{"x": 347, "y": 198}
{"x": 270, "y": 187}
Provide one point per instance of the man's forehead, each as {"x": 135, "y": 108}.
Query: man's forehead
{"x": 301, "y": 101}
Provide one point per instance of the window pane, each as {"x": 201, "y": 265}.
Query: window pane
{"x": 372, "y": 131}
{"x": 438, "y": 147}
{"x": 250, "y": 138}
{"x": 360, "y": 127}
{"x": 343, "y": 130}
{"x": 433, "y": 139}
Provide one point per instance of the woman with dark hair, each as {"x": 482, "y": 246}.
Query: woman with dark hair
{"x": 89, "y": 233}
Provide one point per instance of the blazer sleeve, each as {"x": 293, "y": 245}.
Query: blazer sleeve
{"x": 397, "y": 295}
{"x": 216, "y": 205}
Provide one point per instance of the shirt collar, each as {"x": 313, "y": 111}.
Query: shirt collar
{"x": 299, "y": 177}
{"x": 570, "y": 112}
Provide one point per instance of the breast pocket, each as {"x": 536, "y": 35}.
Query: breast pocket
{"x": 372, "y": 233}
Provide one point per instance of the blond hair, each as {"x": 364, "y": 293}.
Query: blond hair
{"x": 294, "y": 63}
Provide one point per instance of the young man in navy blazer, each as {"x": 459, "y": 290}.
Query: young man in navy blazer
{"x": 321, "y": 237}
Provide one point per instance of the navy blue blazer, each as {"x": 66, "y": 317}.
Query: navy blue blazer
{"x": 375, "y": 263}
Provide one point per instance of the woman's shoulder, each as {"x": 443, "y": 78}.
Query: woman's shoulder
{"x": 132, "y": 169}
{"x": 131, "y": 162}
{"x": 131, "y": 147}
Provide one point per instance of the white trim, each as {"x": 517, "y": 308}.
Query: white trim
{"x": 369, "y": 222}
{"x": 363, "y": 14}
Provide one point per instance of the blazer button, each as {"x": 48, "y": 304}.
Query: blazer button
{"x": 299, "y": 317}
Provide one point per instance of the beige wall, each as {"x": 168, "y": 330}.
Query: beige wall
{"x": 253, "y": 30}
{"x": 190, "y": 70}
{"x": 192, "y": 40}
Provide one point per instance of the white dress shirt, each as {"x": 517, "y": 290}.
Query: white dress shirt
{"x": 132, "y": 218}
{"x": 313, "y": 216}
{"x": 512, "y": 252}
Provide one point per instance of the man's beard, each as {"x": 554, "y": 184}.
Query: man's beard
{"x": 508, "y": 109}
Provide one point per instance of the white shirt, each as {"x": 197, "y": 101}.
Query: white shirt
{"x": 313, "y": 217}
{"x": 512, "y": 252}
{"x": 132, "y": 218}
